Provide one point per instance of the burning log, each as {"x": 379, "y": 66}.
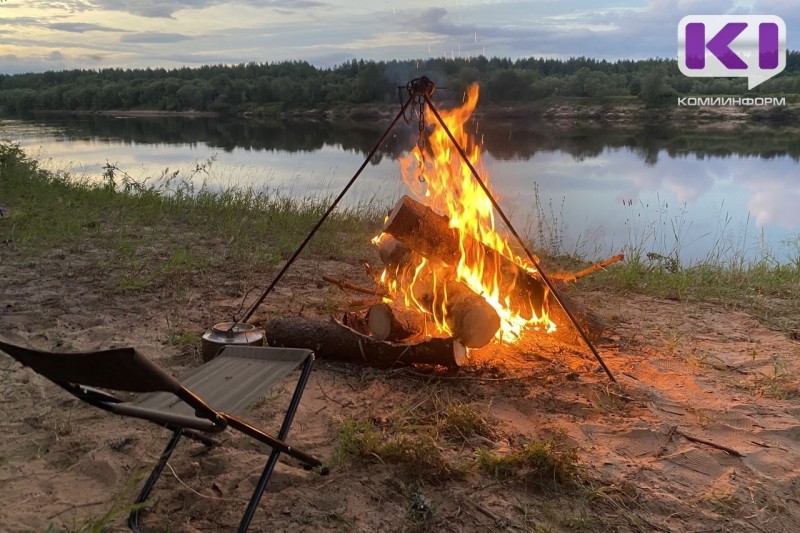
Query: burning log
{"x": 391, "y": 322}
{"x": 470, "y": 318}
{"x": 429, "y": 234}
{"x": 421, "y": 230}
{"x": 334, "y": 340}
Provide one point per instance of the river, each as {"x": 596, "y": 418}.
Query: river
{"x": 688, "y": 195}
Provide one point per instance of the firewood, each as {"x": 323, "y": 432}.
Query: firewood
{"x": 593, "y": 324}
{"x": 344, "y": 284}
{"x": 424, "y": 231}
{"x": 393, "y": 253}
{"x": 427, "y": 233}
{"x": 392, "y": 322}
{"x": 472, "y": 320}
{"x": 333, "y": 340}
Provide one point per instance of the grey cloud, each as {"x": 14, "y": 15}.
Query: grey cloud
{"x": 55, "y": 55}
{"x": 159, "y": 9}
{"x": 645, "y": 33}
{"x": 201, "y": 59}
{"x": 20, "y": 21}
{"x": 153, "y": 8}
{"x": 154, "y": 37}
{"x": 95, "y": 58}
{"x": 290, "y": 5}
{"x": 79, "y": 27}
{"x": 70, "y": 6}
{"x": 435, "y": 20}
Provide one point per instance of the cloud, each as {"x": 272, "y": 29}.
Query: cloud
{"x": 435, "y": 20}
{"x": 776, "y": 205}
{"x": 20, "y": 21}
{"x": 68, "y": 6}
{"x": 160, "y": 9}
{"x": 153, "y": 8}
{"x": 79, "y": 27}
{"x": 16, "y": 64}
{"x": 55, "y": 55}
{"x": 151, "y": 37}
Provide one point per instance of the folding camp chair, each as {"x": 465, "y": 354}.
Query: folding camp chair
{"x": 200, "y": 404}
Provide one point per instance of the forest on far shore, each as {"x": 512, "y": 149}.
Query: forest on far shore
{"x": 264, "y": 88}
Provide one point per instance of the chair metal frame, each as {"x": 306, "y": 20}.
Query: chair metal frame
{"x": 85, "y": 374}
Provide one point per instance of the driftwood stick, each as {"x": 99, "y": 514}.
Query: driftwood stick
{"x": 590, "y": 269}
{"x": 356, "y": 305}
{"x": 726, "y": 449}
{"x": 349, "y": 286}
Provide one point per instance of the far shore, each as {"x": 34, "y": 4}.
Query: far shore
{"x": 562, "y": 113}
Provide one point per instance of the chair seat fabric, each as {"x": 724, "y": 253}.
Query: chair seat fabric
{"x": 233, "y": 380}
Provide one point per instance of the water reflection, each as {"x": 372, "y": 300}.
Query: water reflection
{"x": 585, "y": 191}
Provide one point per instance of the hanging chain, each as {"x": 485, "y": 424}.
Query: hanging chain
{"x": 419, "y": 90}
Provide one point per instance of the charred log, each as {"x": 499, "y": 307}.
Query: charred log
{"x": 471, "y": 319}
{"x": 391, "y": 322}
{"x": 419, "y": 229}
{"x": 424, "y": 231}
{"x": 333, "y": 340}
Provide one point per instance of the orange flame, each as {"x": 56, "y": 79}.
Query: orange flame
{"x": 437, "y": 175}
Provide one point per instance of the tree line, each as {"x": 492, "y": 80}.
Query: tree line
{"x": 266, "y": 88}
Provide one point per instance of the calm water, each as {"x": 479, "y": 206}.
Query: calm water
{"x": 594, "y": 193}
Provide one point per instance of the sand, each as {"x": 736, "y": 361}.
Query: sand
{"x": 701, "y": 432}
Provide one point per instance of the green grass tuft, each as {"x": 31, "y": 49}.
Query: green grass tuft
{"x": 538, "y": 463}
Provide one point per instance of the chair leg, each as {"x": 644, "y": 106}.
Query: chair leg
{"x": 273, "y": 457}
{"x": 133, "y": 518}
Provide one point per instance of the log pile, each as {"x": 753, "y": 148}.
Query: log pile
{"x": 415, "y": 243}
{"x": 413, "y": 228}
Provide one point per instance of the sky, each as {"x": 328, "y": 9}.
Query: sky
{"x": 40, "y": 35}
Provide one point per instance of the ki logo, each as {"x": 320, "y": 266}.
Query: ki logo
{"x": 751, "y": 46}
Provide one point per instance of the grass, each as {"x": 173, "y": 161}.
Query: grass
{"x": 431, "y": 435}
{"x": 733, "y": 272}
{"x": 538, "y": 463}
{"x": 117, "y": 508}
{"x": 158, "y": 235}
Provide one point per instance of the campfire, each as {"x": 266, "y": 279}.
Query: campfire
{"x": 444, "y": 259}
{"x": 450, "y": 280}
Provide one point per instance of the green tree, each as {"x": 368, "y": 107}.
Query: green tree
{"x": 654, "y": 87}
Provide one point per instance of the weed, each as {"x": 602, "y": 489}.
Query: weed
{"x": 418, "y": 453}
{"x": 724, "y": 501}
{"x": 536, "y": 462}
{"x": 779, "y": 384}
{"x": 117, "y": 508}
{"x": 258, "y": 227}
{"x": 358, "y": 438}
{"x": 461, "y": 420}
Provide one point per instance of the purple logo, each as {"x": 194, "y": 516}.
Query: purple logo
{"x": 724, "y": 46}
